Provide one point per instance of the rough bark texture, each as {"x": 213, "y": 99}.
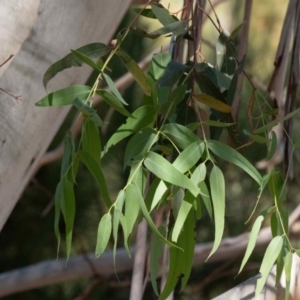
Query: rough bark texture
{"x": 38, "y": 33}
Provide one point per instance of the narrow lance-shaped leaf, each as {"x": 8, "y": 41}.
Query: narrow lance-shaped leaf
{"x": 86, "y": 60}
{"x": 167, "y": 172}
{"x": 252, "y": 240}
{"x": 138, "y": 196}
{"x": 213, "y": 103}
{"x": 96, "y": 171}
{"x": 273, "y": 147}
{"x": 269, "y": 259}
{"x": 288, "y": 270}
{"x": 93, "y": 51}
{"x": 91, "y": 140}
{"x": 57, "y": 205}
{"x": 65, "y": 96}
{"x": 114, "y": 102}
{"x": 136, "y": 71}
{"x": 69, "y": 149}
{"x": 227, "y": 153}
{"x": 103, "y": 235}
{"x": 217, "y": 186}
{"x": 177, "y": 28}
{"x": 162, "y": 14}
{"x": 206, "y": 198}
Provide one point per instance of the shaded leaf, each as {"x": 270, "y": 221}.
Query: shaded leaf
{"x": 159, "y": 193}
{"x": 114, "y": 102}
{"x": 273, "y": 146}
{"x": 96, "y": 171}
{"x": 86, "y": 60}
{"x": 162, "y": 14}
{"x": 213, "y": 103}
{"x": 146, "y": 12}
{"x": 288, "y": 270}
{"x": 57, "y": 209}
{"x": 177, "y": 28}
{"x": 69, "y": 148}
{"x": 135, "y": 71}
{"x": 113, "y": 88}
{"x": 199, "y": 174}
{"x": 269, "y": 259}
{"x": 206, "y": 198}
{"x": 93, "y": 51}
{"x": 65, "y": 96}
{"x": 103, "y": 235}
{"x": 266, "y": 127}
{"x": 217, "y": 123}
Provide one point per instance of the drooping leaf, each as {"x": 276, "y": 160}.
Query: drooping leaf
{"x": 189, "y": 157}
{"x": 156, "y": 252}
{"x": 213, "y": 103}
{"x": 180, "y": 135}
{"x": 159, "y": 193}
{"x": 146, "y": 12}
{"x": 65, "y": 96}
{"x": 206, "y": 198}
{"x": 114, "y": 102}
{"x": 255, "y": 137}
{"x": 217, "y": 123}
{"x": 93, "y": 51}
{"x": 227, "y": 153}
{"x": 139, "y": 144}
{"x": 85, "y": 59}
{"x": 266, "y": 127}
{"x": 199, "y": 174}
{"x": 135, "y": 71}
{"x": 288, "y": 270}
{"x": 273, "y": 147}
{"x": 269, "y": 259}
{"x": 68, "y": 210}
{"x": 104, "y": 232}
{"x": 57, "y": 206}
{"x": 167, "y": 172}
{"x": 217, "y": 186}
{"x": 69, "y": 148}
{"x": 114, "y": 89}
{"x": 151, "y": 193}
{"x": 91, "y": 142}
{"x": 290, "y": 115}
{"x": 138, "y": 197}
{"x": 96, "y": 171}
{"x": 159, "y": 64}
{"x": 252, "y": 240}
{"x": 177, "y": 198}
{"x": 143, "y": 117}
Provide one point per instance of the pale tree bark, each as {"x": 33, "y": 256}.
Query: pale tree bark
{"x": 38, "y": 33}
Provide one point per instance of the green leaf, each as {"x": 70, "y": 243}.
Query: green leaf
{"x": 252, "y": 240}
{"x": 68, "y": 210}
{"x": 206, "y": 198}
{"x": 184, "y": 210}
{"x": 167, "y": 172}
{"x": 266, "y": 127}
{"x": 57, "y": 203}
{"x": 96, "y": 171}
{"x": 177, "y": 28}
{"x": 132, "y": 209}
{"x": 273, "y": 146}
{"x": 114, "y": 89}
{"x": 91, "y": 140}
{"x": 162, "y": 14}
{"x": 156, "y": 252}
{"x": 217, "y": 189}
{"x": 103, "y": 235}
{"x": 227, "y": 153}
{"x": 139, "y": 198}
{"x": 288, "y": 270}
{"x": 217, "y": 123}
{"x": 159, "y": 194}
{"x": 86, "y": 60}
{"x": 213, "y": 103}
{"x": 94, "y": 51}
{"x": 180, "y": 135}
{"x": 146, "y": 12}
{"x": 189, "y": 157}
{"x": 143, "y": 117}
{"x": 255, "y": 137}
{"x": 159, "y": 64}
{"x": 177, "y": 198}
{"x": 290, "y": 115}
{"x": 69, "y": 148}
{"x": 139, "y": 144}
{"x": 135, "y": 71}
{"x": 65, "y": 96}
{"x": 199, "y": 174}
{"x": 114, "y": 102}
{"x": 269, "y": 259}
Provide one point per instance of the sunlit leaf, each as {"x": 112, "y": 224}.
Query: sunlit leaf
{"x": 114, "y": 102}
{"x": 65, "y": 96}
{"x": 252, "y": 240}
{"x": 213, "y": 103}
{"x": 135, "y": 71}
{"x": 217, "y": 186}
{"x": 269, "y": 259}
{"x": 227, "y": 153}
{"x": 159, "y": 64}
{"x": 159, "y": 193}
{"x": 206, "y": 198}
{"x": 103, "y": 235}
{"x": 199, "y": 174}
{"x": 93, "y": 51}
{"x": 167, "y": 172}
{"x": 180, "y": 135}
{"x": 96, "y": 171}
